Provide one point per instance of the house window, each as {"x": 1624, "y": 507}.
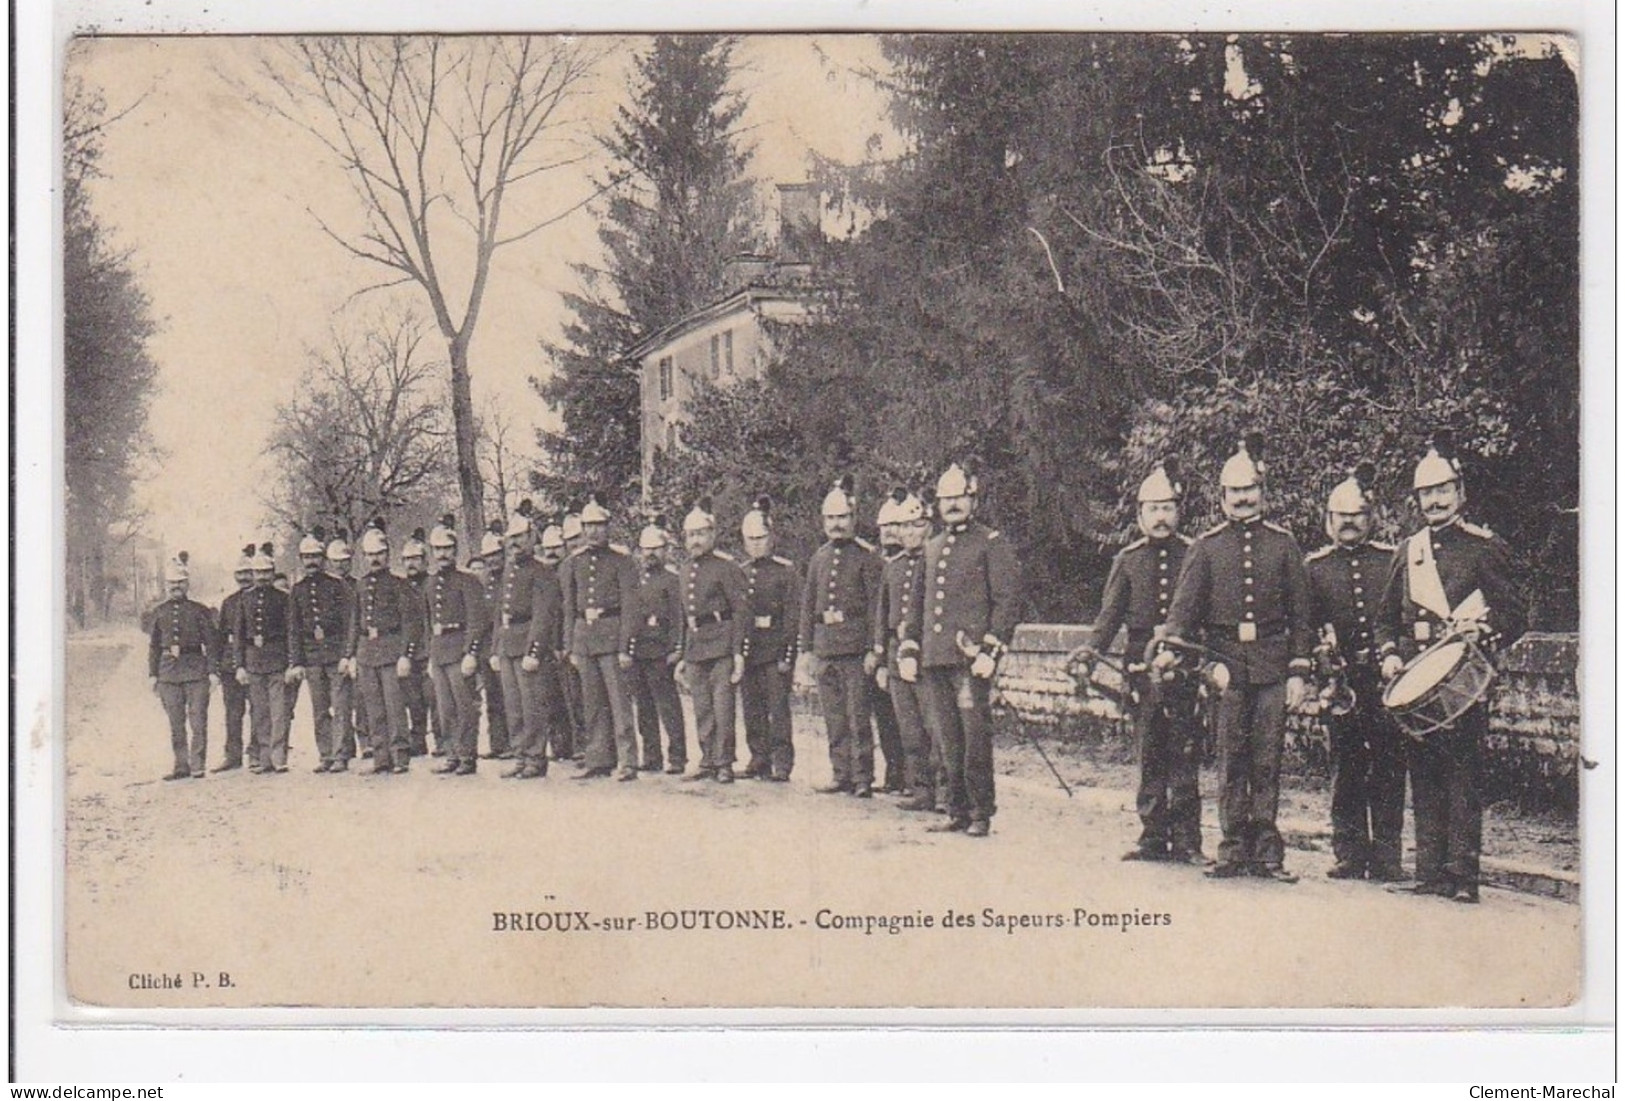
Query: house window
{"x": 728, "y": 351}
{"x": 716, "y": 355}
{"x": 665, "y": 378}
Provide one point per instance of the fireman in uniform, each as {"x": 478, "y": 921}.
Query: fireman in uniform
{"x": 492, "y": 555}
{"x": 1368, "y": 754}
{"x": 457, "y": 629}
{"x": 899, "y": 607}
{"x": 773, "y": 595}
{"x": 712, "y": 587}
{"x": 880, "y": 704}
{"x": 388, "y": 636}
{"x": 1138, "y": 592}
{"x": 568, "y": 741}
{"x": 836, "y": 602}
{"x": 337, "y": 563}
{"x": 529, "y": 636}
{"x": 568, "y": 546}
{"x": 1450, "y": 578}
{"x": 322, "y": 612}
{"x": 1244, "y": 593}
{"x": 260, "y": 641}
{"x": 655, "y": 649}
{"x": 233, "y": 695}
{"x": 599, "y": 582}
{"x": 415, "y": 688}
{"x": 972, "y": 588}
{"x": 182, "y": 664}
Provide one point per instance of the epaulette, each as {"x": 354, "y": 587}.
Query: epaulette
{"x": 1478, "y": 530}
{"x": 620, "y": 548}
{"x": 1138, "y": 543}
{"x": 724, "y": 555}
{"x": 1386, "y": 548}
{"x": 865, "y": 544}
{"x": 1316, "y": 556}
{"x": 671, "y": 569}
{"x": 1273, "y": 526}
{"x": 994, "y": 533}
{"x": 1215, "y": 529}
{"x": 783, "y": 561}
{"x": 1183, "y": 538}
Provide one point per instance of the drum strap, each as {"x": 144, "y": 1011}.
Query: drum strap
{"x": 1422, "y": 579}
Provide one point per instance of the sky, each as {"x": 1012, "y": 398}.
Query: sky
{"x": 218, "y": 201}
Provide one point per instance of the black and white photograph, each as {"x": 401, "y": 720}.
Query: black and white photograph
{"x": 914, "y": 521}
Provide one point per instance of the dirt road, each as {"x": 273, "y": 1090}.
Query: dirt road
{"x": 422, "y": 890}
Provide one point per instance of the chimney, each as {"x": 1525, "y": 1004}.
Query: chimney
{"x": 800, "y": 217}
{"x": 743, "y": 270}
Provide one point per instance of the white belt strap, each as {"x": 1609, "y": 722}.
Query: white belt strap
{"x": 1422, "y": 575}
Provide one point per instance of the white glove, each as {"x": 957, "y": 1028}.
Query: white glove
{"x": 983, "y": 665}
{"x": 909, "y": 668}
{"x": 214, "y": 681}
{"x": 242, "y": 676}
{"x": 495, "y": 663}
{"x": 1164, "y": 661}
{"x": 871, "y": 662}
{"x": 403, "y": 667}
{"x": 530, "y": 663}
{"x": 624, "y": 660}
{"x": 294, "y": 675}
{"x": 883, "y": 677}
{"x": 1294, "y": 693}
{"x": 469, "y": 665}
{"x": 1391, "y": 665}
{"x": 738, "y": 673}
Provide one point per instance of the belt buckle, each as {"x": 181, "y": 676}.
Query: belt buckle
{"x": 259, "y": 641}
{"x": 174, "y": 651}
{"x": 833, "y": 616}
{"x": 693, "y": 623}
{"x": 1247, "y": 632}
{"x": 1423, "y": 631}
{"x": 372, "y": 632}
{"x": 507, "y": 620}
{"x": 439, "y": 629}
{"x": 319, "y": 633}
{"x": 764, "y": 621}
{"x": 653, "y": 621}
{"x": 592, "y": 615}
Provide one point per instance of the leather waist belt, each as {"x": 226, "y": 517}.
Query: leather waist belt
{"x": 1248, "y": 632}
{"x": 382, "y": 632}
{"x": 695, "y": 622}
{"x": 177, "y": 651}
{"x": 514, "y": 621}
{"x": 444, "y": 628}
{"x": 593, "y": 615}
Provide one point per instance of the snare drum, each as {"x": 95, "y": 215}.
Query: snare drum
{"x": 1438, "y": 686}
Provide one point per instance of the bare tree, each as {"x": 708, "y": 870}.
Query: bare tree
{"x": 433, "y": 132}
{"x": 500, "y": 460}
{"x": 366, "y": 434}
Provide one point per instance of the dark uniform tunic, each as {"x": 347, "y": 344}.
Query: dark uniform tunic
{"x": 1244, "y": 593}
{"x": 529, "y": 622}
{"x": 836, "y": 602}
{"x": 972, "y": 588}
{"x": 899, "y": 608}
{"x": 1446, "y": 767}
{"x": 419, "y": 696}
{"x": 1139, "y": 592}
{"x": 1368, "y": 754}
{"x": 389, "y": 626}
{"x": 884, "y": 714}
{"x": 261, "y": 645}
{"x": 183, "y": 651}
{"x": 714, "y": 620}
{"x": 598, "y": 584}
{"x": 773, "y": 595}
{"x": 232, "y": 694}
{"x": 457, "y": 626}
{"x": 657, "y": 638}
{"x": 322, "y": 613}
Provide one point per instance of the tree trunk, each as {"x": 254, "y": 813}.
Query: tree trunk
{"x": 468, "y": 468}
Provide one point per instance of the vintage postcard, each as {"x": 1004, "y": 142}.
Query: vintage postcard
{"x": 915, "y": 522}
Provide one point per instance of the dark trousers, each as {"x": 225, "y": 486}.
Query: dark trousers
{"x": 919, "y": 761}
{"x": 957, "y": 709}
{"x": 843, "y": 694}
{"x": 419, "y": 699}
{"x": 1252, "y": 730}
{"x": 185, "y": 704}
{"x": 714, "y": 706}
{"x": 1368, "y": 782}
{"x": 1169, "y": 738}
{"x": 654, "y": 692}
{"x": 764, "y": 703}
{"x": 887, "y": 734}
{"x": 268, "y": 718}
{"x": 496, "y": 710}
{"x": 530, "y": 710}
{"x": 386, "y": 715}
{"x": 235, "y": 698}
{"x": 458, "y": 718}
{"x": 1445, "y": 784}
{"x": 574, "y": 711}
{"x": 330, "y": 706}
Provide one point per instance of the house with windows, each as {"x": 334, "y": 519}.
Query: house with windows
{"x": 726, "y": 340}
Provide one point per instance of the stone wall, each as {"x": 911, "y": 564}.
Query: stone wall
{"x": 1533, "y": 749}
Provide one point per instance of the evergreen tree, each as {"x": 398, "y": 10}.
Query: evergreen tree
{"x": 681, "y": 207}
